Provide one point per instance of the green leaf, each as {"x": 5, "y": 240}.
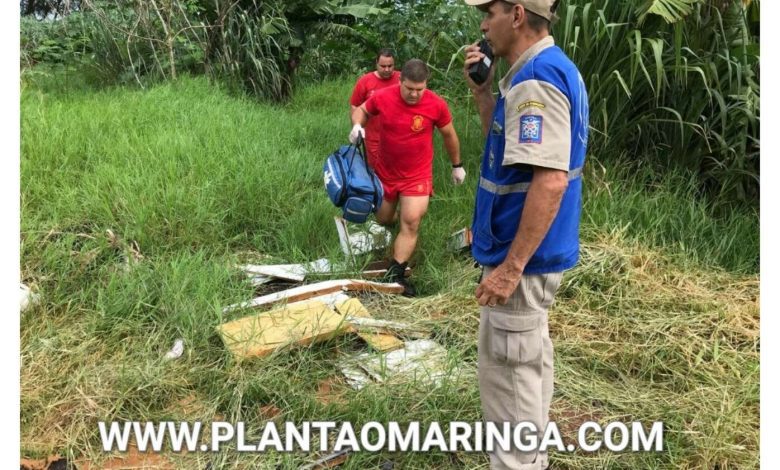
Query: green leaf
{"x": 671, "y": 11}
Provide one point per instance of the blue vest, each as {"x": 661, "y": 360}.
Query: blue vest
{"x": 502, "y": 190}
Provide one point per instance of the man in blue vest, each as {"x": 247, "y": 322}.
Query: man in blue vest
{"x": 526, "y": 221}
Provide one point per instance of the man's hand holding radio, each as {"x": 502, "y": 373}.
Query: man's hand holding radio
{"x": 474, "y": 55}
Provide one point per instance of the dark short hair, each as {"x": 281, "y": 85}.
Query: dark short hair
{"x": 536, "y": 22}
{"x": 384, "y": 52}
{"x": 415, "y": 70}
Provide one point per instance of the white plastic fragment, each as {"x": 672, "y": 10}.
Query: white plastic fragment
{"x": 290, "y": 272}
{"x": 27, "y": 297}
{"x": 176, "y": 351}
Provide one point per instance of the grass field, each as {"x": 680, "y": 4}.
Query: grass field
{"x": 659, "y": 321}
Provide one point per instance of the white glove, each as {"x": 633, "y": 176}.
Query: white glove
{"x": 458, "y": 175}
{"x": 357, "y": 130}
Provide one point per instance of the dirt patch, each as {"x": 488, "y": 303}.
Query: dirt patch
{"x": 191, "y": 407}
{"x": 331, "y": 390}
{"x": 269, "y": 412}
{"x": 54, "y": 462}
{"x": 569, "y": 420}
{"x": 132, "y": 459}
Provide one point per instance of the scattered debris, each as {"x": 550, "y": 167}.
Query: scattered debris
{"x": 317, "y": 289}
{"x": 290, "y": 272}
{"x": 176, "y": 351}
{"x": 404, "y": 329}
{"x": 262, "y": 334}
{"x": 460, "y": 240}
{"x": 374, "y": 237}
{"x": 420, "y": 360}
{"x": 379, "y": 341}
{"x": 331, "y": 300}
{"x": 27, "y": 298}
{"x": 377, "y": 269}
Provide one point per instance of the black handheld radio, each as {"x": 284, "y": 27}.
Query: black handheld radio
{"x": 478, "y": 72}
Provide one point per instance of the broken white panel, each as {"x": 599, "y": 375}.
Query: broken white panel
{"x": 290, "y": 272}
{"x": 259, "y": 279}
{"x": 373, "y": 237}
{"x": 328, "y": 299}
{"x": 356, "y": 377}
{"x": 320, "y": 288}
{"x": 422, "y": 361}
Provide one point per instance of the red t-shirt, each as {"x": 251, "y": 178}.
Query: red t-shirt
{"x": 406, "y": 148}
{"x": 364, "y": 89}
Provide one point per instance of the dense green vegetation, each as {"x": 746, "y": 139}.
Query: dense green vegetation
{"x": 672, "y": 84}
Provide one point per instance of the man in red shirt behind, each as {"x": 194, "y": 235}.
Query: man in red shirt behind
{"x": 384, "y": 76}
{"x": 405, "y": 164}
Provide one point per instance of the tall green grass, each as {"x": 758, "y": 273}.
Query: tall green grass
{"x": 678, "y": 88}
{"x": 184, "y": 166}
{"x": 195, "y": 179}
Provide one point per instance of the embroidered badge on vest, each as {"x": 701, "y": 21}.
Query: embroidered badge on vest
{"x": 531, "y": 129}
{"x": 417, "y": 123}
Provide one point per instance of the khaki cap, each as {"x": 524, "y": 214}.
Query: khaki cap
{"x": 540, "y": 7}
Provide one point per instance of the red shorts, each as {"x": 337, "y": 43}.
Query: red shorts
{"x": 393, "y": 189}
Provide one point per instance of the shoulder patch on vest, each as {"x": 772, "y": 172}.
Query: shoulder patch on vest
{"x": 531, "y": 129}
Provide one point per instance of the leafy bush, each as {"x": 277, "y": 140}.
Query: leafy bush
{"x": 63, "y": 41}
{"x": 674, "y": 83}
{"x": 684, "y": 93}
{"x": 252, "y": 45}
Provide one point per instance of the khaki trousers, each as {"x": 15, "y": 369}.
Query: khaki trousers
{"x": 515, "y": 364}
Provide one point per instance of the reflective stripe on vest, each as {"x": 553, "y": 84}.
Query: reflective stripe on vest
{"x": 502, "y": 189}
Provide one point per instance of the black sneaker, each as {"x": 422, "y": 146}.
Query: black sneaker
{"x": 395, "y": 273}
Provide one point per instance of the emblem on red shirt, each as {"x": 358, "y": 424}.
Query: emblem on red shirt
{"x": 417, "y": 123}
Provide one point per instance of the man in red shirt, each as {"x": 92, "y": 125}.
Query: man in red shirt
{"x": 384, "y": 76}
{"x": 405, "y": 164}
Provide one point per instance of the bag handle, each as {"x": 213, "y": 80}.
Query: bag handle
{"x": 360, "y": 144}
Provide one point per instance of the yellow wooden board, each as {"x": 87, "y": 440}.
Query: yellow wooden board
{"x": 381, "y": 342}
{"x": 261, "y": 334}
